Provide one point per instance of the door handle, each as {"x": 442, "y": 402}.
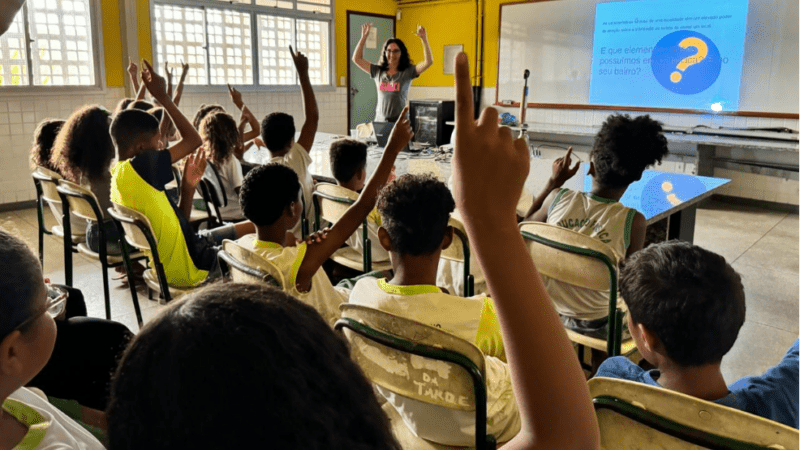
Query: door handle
{"x": 353, "y": 91}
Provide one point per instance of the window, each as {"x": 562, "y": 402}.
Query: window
{"x": 244, "y": 42}
{"x": 61, "y": 50}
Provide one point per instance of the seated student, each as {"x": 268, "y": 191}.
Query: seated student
{"x": 623, "y": 148}
{"x": 27, "y": 340}
{"x": 83, "y": 152}
{"x": 549, "y": 386}
{"x": 43, "y": 138}
{"x": 221, "y": 143}
{"x": 138, "y": 182}
{"x": 270, "y": 198}
{"x": 415, "y": 210}
{"x": 349, "y": 167}
{"x": 265, "y": 360}
{"x": 277, "y": 132}
{"x": 686, "y": 308}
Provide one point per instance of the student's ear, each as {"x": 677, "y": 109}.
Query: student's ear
{"x": 10, "y": 362}
{"x": 447, "y": 239}
{"x": 383, "y": 238}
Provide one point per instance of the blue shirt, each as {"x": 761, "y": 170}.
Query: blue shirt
{"x": 773, "y": 395}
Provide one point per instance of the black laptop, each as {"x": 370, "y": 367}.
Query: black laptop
{"x": 382, "y": 132}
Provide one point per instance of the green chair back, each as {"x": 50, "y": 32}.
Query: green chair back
{"x": 634, "y": 415}
{"x": 459, "y": 251}
{"x": 331, "y": 201}
{"x": 409, "y": 358}
{"x": 248, "y": 267}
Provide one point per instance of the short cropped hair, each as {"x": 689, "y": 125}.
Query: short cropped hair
{"x": 143, "y": 105}
{"x": 415, "y": 210}
{"x": 20, "y": 284}
{"x": 267, "y": 191}
{"x": 624, "y": 147}
{"x": 132, "y": 126}
{"x": 348, "y": 157}
{"x": 689, "y": 297}
{"x": 233, "y": 354}
{"x": 277, "y": 131}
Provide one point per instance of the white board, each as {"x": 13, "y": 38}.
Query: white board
{"x": 553, "y": 39}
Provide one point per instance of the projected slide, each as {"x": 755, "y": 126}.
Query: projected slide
{"x": 670, "y": 54}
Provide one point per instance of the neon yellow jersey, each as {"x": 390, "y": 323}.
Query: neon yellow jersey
{"x": 129, "y": 189}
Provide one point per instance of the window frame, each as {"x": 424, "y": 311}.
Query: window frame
{"x": 254, "y": 10}
{"x": 100, "y": 85}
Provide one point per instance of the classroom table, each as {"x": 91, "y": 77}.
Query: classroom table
{"x": 658, "y": 195}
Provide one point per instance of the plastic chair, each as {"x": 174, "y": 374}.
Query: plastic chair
{"x": 46, "y": 182}
{"x": 582, "y": 261}
{"x": 137, "y": 231}
{"x": 331, "y": 201}
{"x": 82, "y": 203}
{"x": 213, "y": 193}
{"x": 244, "y": 266}
{"x": 634, "y": 415}
{"x": 384, "y": 346}
{"x": 459, "y": 251}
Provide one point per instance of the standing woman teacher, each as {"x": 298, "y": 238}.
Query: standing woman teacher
{"x": 393, "y": 73}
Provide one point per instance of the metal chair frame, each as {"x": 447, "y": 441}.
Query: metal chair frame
{"x": 365, "y": 241}
{"x": 69, "y": 245}
{"x": 483, "y": 441}
{"x": 228, "y": 264}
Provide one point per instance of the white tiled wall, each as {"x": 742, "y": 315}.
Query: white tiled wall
{"x": 19, "y": 116}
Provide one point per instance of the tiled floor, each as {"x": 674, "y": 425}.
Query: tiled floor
{"x": 761, "y": 244}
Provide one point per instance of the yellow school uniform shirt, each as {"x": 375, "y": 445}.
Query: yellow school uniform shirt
{"x": 472, "y": 319}
{"x": 129, "y": 189}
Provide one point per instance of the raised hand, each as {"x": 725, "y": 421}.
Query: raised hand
{"x": 489, "y": 166}
{"x": 401, "y": 133}
{"x": 154, "y": 82}
{"x": 422, "y": 33}
{"x": 316, "y": 237}
{"x": 194, "y": 168}
{"x": 300, "y": 61}
{"x": 561, "y": 170}
{"x": 365, "y": 30}
{"x": 236, "y": 97}
{"x": 168, "y": 71}
{"x": 184, "y": 70}
{"x": 133, "y": 69}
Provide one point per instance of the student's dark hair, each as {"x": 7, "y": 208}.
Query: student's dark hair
{"x": 43, "y": 139}
{"x": 233, "y": 354}
{"x": 83, "y": 147}
{"x": 415, "y": 210}
{"x": 123, "y": 105}
{"x": 348, "y": 157}
{"x": 221, "y": 137}
{"x": 144, "y": 105}
{"x": 267, "y": 191}
{"x": 689, "y": 297}
{"x": 277, "y": 131}
{"x": 203, "y": 111}
{"x": 132, "y": 126}
{"x": 624, "y": 147}
{"x": 157, "y": 112}
{"x": 20, "y": 284}
{"x": 405, "y": 60}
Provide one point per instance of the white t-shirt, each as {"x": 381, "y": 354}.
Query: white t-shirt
{"x": 601, "y": 218}
{"x": 48, "y": 428}
{"x": 231, "y": 177}
{"x": 298, "y": 160}
{"x": 466, "y": 318}
{"x": 323, "y": 296}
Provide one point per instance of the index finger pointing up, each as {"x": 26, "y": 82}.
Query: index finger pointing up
{"x": 465, "y": 113}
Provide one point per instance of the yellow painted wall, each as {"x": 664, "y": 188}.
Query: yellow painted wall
{"x": 112, "y": 43}
{"x": 385, "y": 7}
{"x": 447, "y": 24}
{"x": 143, "y": 18}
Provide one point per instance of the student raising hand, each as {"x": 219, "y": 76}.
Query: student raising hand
{"x": 489, "y": 170}
{"x": 300, "y": 60}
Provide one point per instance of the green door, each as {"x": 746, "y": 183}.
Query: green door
{"x": 363, "y": 95}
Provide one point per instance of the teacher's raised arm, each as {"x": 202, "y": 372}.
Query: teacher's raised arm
{"x": 358, "y": 53}
{"x": 426, "y": 47}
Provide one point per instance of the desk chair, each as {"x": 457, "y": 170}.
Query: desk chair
{"x": 82, "y": 202}
{"x": 135, "y": 228}
{"x": 459, "y": 251}
{"x": 331, "y": 201}
{"x": 384, "y": 345}
{"x": 244, "y": 266}
{"x": 574, "y": 258}
{"x": 634, "y": 415}
{"x": 213, "y": 193}
{"x": 46, "y": 182}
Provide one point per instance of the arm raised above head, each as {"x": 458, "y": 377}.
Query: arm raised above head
{"x": 358, "y": 53}
{"x": 426, "y": 47}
